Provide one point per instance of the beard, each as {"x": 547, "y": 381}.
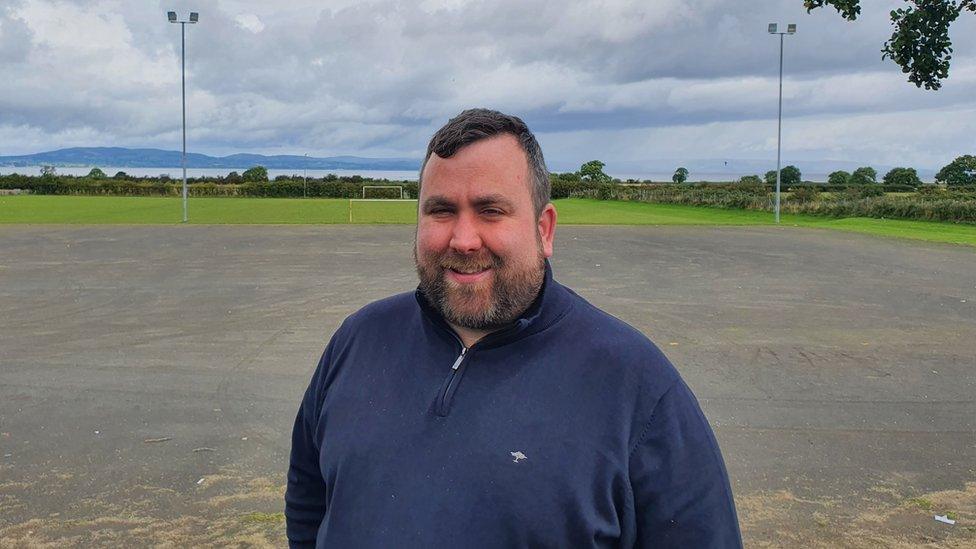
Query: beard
{"x": 488, "y": 305}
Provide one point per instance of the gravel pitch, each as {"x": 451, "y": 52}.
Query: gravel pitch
{"x": 149, "y": 375}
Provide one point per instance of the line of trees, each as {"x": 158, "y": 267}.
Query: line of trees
{"x": 960, "y": 172}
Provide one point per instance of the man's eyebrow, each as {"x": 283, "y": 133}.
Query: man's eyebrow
{"x": 493, "y": 200}
{"x": 436, "y": 201}
{"x": 439, "y": 201}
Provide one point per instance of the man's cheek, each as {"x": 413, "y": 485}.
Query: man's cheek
{"x": 431, "y": 240}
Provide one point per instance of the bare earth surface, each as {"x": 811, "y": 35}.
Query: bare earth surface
{"x": 149, "y": 375}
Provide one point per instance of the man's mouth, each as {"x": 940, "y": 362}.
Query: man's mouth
{"x": 467, "y": 275}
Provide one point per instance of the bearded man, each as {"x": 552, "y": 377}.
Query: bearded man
{"x": 494, "y": 407}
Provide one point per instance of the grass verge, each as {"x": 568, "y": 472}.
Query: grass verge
{"x": 138, "y": 210}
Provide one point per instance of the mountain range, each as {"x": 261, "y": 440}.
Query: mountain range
{"x": 121, "y": 157}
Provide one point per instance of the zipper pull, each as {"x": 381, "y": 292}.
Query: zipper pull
{"x": 460, "y": 357}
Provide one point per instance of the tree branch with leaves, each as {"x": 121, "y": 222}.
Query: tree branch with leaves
{"x": 920, "y": 43}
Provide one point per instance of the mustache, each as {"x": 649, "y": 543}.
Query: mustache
{"x": 461, "y": 262}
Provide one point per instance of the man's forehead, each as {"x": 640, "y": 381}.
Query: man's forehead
{"x": 495, "y": 165}
{"x": 492, "y": 152}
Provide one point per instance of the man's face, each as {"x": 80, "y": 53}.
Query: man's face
{"x": 480, "y": 247}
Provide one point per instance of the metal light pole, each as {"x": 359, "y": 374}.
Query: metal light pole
{"x": 194, "y": 17}
{"x": 790, "y": 29}
{"x": 305, "y": 177}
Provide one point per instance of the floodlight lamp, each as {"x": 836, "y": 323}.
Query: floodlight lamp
{"x": 791, "y": 28}
{"x": 772, "y": 28}
{"x": 171, "y": 15}
{"x": 194, "y": 17}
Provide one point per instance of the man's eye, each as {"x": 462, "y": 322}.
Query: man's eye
{"x": 491, "y": 212}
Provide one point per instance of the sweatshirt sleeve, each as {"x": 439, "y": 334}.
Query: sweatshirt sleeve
{"x": 681, "y": 491}
{"x": 305, "y": 496}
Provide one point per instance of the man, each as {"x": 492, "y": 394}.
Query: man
{"x": 494, "y": 407}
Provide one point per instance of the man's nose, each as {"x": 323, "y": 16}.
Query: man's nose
{"x": 465, "y": 237}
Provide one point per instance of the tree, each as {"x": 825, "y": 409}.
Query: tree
{"x": 257, "y": 174}
{"x": 120, "y": 175}
{"x": 566, "y": 176}
{"x": 920, "y": 43}
{"x": 752, "y": 180}
{"x": 902, "y": 176}
{"x": 865, "y": 175}
{"x": 961, "y": 171}
{"x": 680, "y": 175}
{"x": 593, "y": 171}
{"x": 96, "y": 173}
{"x": 234, "y": 177}
{"x": 790, "y": 176}
{"x": 48, "y": 172}
{"x": 839, "y": 177}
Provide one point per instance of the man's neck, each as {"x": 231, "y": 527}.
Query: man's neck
{"x": 468, "y": 336}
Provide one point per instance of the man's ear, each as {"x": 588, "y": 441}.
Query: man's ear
{"x": 547, "y": 228}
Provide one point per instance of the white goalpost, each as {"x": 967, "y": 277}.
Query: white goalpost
{"x": 367, "y": 188}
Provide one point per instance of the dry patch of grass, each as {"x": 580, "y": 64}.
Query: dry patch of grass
{"x": 884, "y": 519}
{"x": 261, "y": 518}
{"x": 228, "y": 509}
{"x": 141, "y": 531}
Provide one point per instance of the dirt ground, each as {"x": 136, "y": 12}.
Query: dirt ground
{"x": 149, "y": 376}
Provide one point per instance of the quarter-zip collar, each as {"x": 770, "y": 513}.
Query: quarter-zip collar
{"x": 552, "y": 303}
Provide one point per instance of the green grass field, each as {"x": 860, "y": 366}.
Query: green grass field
{"x": 133, "y": 210}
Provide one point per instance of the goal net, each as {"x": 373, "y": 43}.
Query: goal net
{"x": 383, "y": 204}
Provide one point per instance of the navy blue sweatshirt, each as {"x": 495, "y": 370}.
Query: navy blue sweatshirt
{"x": 568, "y": 429}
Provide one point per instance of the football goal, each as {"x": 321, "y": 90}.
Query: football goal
{"x": 383, "y": 204}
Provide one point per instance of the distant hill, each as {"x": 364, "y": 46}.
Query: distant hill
{"x": 702, "y": 169}
{"x": 157, "y": 158}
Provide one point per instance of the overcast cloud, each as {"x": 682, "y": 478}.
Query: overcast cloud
{"x": 632, "y": 83}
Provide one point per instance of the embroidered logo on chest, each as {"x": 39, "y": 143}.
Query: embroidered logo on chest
{"x": 518, "y": 456}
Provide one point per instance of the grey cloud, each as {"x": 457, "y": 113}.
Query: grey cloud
{"x": 15, "y": 37}
{"x": 378, "y": 77}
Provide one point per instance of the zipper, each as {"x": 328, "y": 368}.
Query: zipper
{"x": 443, "y": 399}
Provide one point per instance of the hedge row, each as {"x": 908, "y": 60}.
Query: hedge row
{"x": 279, "y": 189}
{"x": 350, "y": 186}
{"x": 894, "y": 207}
{"x": 328, "y": 187}
{"x": 935, "y": 204}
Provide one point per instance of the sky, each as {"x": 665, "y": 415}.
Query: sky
{"x": 637, "y": 84}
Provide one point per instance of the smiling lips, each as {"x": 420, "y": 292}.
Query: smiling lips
{"x": 468, "y": 276}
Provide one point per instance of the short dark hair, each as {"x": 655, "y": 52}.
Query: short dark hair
{"x": 473, "y": 125}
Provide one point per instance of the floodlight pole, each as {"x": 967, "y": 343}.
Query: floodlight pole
{"x": 779, "y": 125}
{"x": 183, "y": 86}
{"x": 305, "y": 177}
{"x": 194, "y": 17}
{"x": 790, "y": 29}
